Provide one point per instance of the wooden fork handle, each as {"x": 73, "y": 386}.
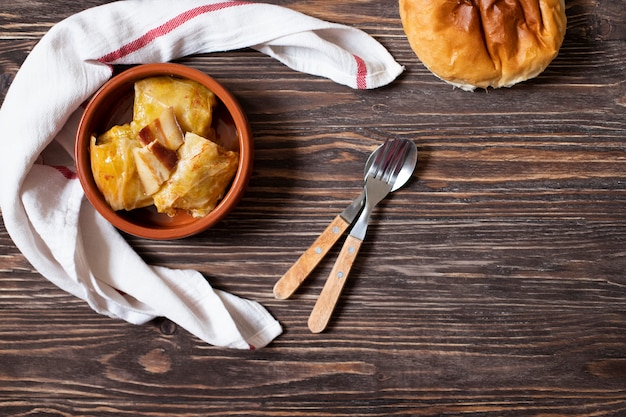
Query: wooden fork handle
{"x": 298, "y": 272}
{"x": 323, "y": 309}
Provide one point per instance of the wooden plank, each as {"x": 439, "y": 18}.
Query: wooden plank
{"x": 493, "y": 284}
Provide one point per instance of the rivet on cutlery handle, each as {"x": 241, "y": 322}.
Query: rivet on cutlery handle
{"x": 325, "y": 304}
{"x": 298, "y": 272}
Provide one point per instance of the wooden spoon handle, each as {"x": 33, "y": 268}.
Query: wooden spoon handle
{"x": 298, "y": 272}
{"x": 323, "y": 309}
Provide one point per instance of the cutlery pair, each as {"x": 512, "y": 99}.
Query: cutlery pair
{"x": 388, "y": 168}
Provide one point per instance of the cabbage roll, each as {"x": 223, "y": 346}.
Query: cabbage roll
{"x": 192, "y": 102}
{"x": 114, "y": 170}
{"x": 202, "y": 175}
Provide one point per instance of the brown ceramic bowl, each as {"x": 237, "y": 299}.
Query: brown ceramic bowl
{"x": 112, "y": 105}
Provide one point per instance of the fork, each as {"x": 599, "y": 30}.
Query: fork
{"x": 378, "y": 184}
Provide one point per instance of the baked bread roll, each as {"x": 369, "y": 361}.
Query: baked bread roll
{"x": 484, "y": 43}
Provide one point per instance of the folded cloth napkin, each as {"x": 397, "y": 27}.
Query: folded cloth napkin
{"x": 42, "y": 202}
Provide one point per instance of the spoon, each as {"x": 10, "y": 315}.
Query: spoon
{"x": 301, "y": 269}
{"x": 399, "y": 157}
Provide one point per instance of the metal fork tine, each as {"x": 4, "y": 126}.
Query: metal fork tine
{"x": 394, "y": 162}
{"x": 390, "y": 162}
{"x": 390, "y": 152}
{"x": 380, "y": 160}
{"x": 400, "y": 161}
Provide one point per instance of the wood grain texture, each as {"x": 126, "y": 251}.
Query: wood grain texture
{"x": 493, "y": 284}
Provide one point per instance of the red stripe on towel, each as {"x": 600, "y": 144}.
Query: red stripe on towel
{"x": 166, "y": 28}
{"x": 66, "y": 172}
{"x": 361, "y": 74}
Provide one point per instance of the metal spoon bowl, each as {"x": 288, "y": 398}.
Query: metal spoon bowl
{"x": 406, "y": 172}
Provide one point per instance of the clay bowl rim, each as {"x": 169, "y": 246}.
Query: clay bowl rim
{"x": 117, "y": 87}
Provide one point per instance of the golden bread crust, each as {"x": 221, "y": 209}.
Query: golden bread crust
{"x": 484, "y": 43}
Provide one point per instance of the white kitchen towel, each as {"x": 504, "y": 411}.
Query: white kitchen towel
{"x": 42, "y": 202}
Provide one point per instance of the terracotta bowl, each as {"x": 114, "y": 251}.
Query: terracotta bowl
{"x": 112, "y": 105}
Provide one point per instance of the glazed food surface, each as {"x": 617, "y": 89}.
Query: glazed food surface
{"x": 484, "y": 43}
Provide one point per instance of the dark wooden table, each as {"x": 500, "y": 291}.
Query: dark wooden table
{"x": 493, "y": 284}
